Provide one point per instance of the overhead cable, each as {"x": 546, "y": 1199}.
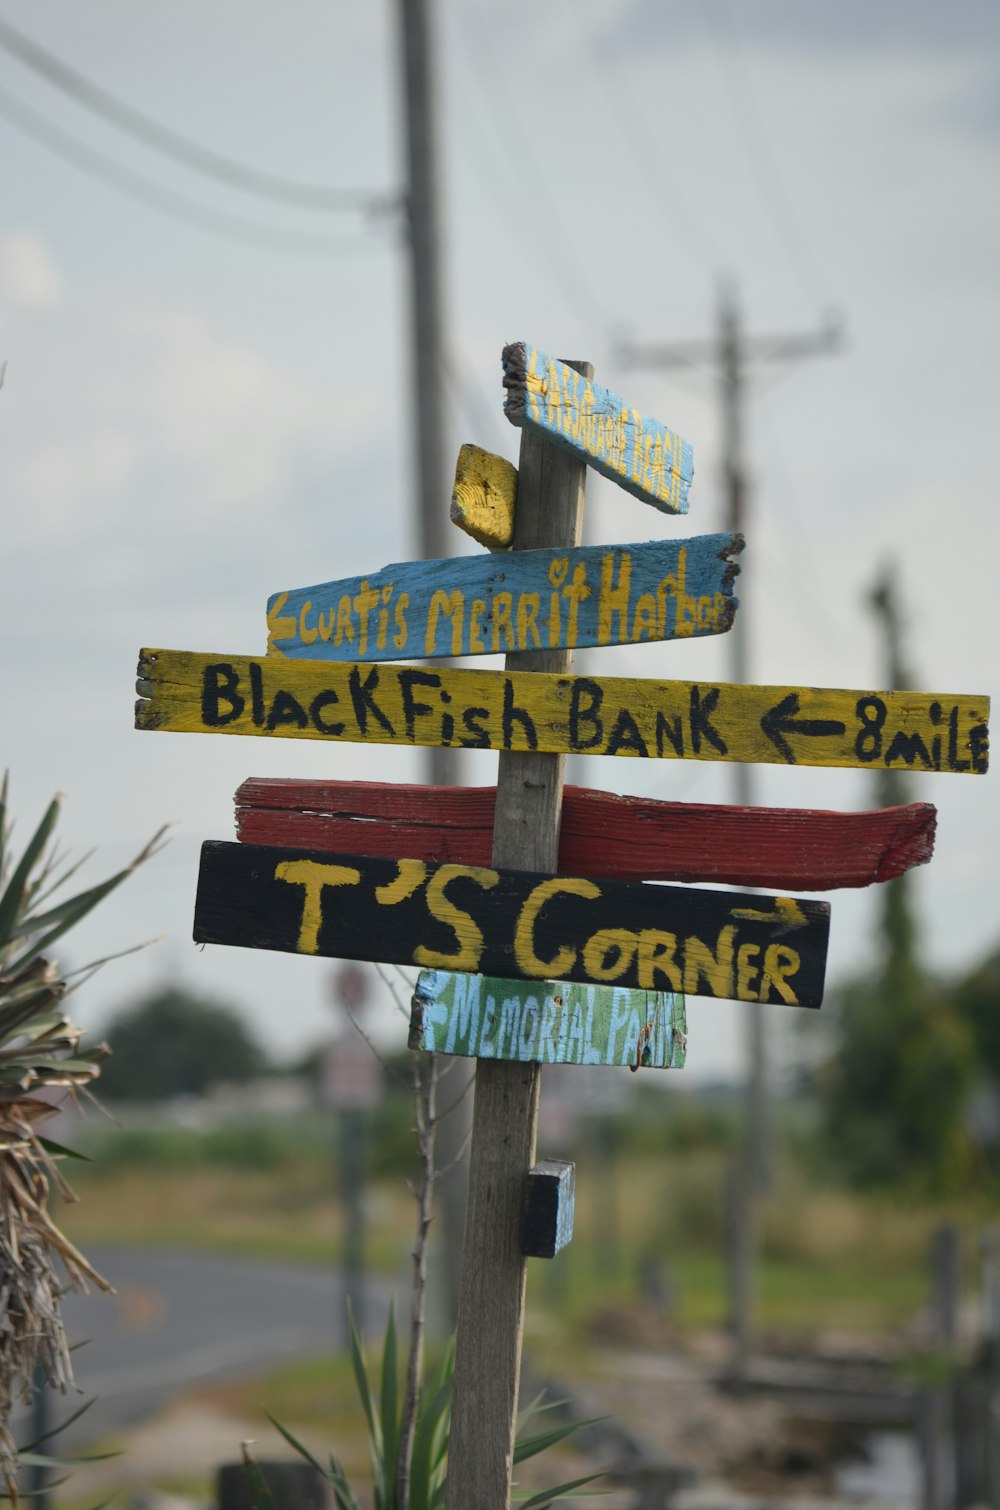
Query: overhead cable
{"x": 666, "y": 191}
{"x": 183, "y": 149}
{"x": 167, "y": 202}
{"x": 757, "y": 150}
{"x": 519, "y": 160}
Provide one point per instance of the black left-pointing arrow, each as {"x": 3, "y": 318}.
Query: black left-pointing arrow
{"x": 781, "y": 720}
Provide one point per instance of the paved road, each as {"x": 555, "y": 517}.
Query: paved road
{"x": 181, "y": 1318}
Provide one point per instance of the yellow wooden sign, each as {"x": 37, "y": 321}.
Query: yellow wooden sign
{"x": 375, "y": 703}
{"x": 484, "y": 496}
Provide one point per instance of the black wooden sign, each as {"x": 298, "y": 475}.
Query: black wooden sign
{"x": 513, "y": 923}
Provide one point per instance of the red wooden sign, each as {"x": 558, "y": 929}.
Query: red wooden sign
{"x": 630, "y": 838}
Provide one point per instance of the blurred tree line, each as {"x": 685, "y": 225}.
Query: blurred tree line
{"x": 910, "y": 1050}
{"x": 172, "y": 1043}
{"x": 910, "y": 1053}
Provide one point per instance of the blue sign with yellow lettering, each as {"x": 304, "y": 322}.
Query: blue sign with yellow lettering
{"x": 638, "y": 453}
{"x": 527, "y": 600}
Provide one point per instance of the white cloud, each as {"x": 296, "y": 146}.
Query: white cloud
{"x": 124, "y": 421}
{"x": 29, "y": 278}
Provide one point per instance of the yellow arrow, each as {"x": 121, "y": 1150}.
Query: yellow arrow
{"x": 786, "y": 911}
{"x": 279, "y": 628}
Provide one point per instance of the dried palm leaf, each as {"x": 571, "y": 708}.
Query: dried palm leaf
{"x": 41, "y": 1068}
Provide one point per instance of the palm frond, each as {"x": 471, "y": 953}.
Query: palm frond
{"x": 548, "y": 1497}
{"x": 40, "y": 1051}
{"x": 390, "y": 1409}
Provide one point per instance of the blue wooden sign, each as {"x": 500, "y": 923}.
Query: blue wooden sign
{"x": 527, "y": 600}
{"x": 547, "y": 1022}
{"x": 638, "y": 453}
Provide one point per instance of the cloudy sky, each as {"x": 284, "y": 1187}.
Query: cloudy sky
{"x": 205, "y": 397}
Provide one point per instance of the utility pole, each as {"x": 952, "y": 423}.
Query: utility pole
{"x": 427, "y": 369}
{"x": 732, "y": 354}
{"x": 896, "y": 897}
{"x": 903, "y": 985}
{"x": 426, "y": 324}
{"x": 884, "y": 601}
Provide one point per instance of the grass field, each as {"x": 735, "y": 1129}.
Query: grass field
{"x": 649, "y": 1232}
{"x": 645, "y": 1270}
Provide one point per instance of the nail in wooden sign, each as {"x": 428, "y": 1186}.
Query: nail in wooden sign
{"x": 511, "y": 923}
{"x": 639, "y": 453}
{"x": 525, "y": 600}
{"x": 474, "y": 709}
{"x": 548, "y": 1022}
{"x": 600, "y": 833}
{"x": 483, "y": 497}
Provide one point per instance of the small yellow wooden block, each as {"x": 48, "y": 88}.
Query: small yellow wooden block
{"x": 482, "y": 500}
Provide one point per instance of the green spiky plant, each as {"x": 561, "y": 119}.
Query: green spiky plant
{"x": 42, "y": 1064}
{"x": 384, "y": 1415}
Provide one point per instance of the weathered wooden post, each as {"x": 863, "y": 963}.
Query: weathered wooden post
{"x": 740, "y": 1246}
{"x": 937, "y": 1403}
{"x": 550, "y": 500}
{"x": 975, "y": 1405}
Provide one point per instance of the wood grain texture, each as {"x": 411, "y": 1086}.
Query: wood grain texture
{"x": 638, "y": 453}
{"x": 603, "y": 835}
{"x": 526, "y": 832}
{"x": 514, "y": 923}
{"x": 483, "y": 497}
{"x": 542, "y": 712}
{"x": 548, "y": 1208}
{"x": 551, "y": 599}
{"x": 550, "y": 1022}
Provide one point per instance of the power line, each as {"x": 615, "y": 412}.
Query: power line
{"x": 520, "y": 162}
{"x": 815, "y": 619}
{"x": 668, "y": 197}
{"x": 468, "y": 393}
{"x": 758, "y": 152}
{"x": 177, "y": 206}
{"x": 181, "y": 148}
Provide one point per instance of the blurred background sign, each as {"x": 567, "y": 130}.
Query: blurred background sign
{"x": 351, "y": 1077}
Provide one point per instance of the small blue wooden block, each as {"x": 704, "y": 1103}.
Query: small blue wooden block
{"x": 638, "y": 453}
{"x": 548, "y": 1208}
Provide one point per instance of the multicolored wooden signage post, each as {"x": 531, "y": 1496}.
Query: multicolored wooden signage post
{"x": 540, "y": 937}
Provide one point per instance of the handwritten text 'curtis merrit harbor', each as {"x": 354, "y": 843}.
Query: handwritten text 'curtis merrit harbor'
{"x": 528, "y": 600}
